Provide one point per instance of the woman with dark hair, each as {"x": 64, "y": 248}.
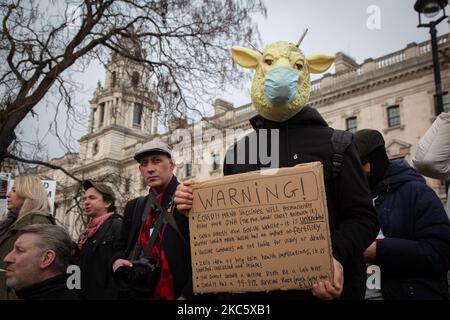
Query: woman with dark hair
{"x": 27, "y": 204}
{"x": 96, "y": 243}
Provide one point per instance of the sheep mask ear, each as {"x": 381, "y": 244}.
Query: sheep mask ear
{"x": 318, "y": 63}
{"x": 245, "y": 57}
{"x": 250, "y": 59}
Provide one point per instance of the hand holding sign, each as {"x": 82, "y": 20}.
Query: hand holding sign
{"x": 183, "y": 197}
{"x": 329, "y": 291}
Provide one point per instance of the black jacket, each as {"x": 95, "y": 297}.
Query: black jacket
{"x": 175, "y": 249}
{"x": 95, "y": 257}
{"x": 51, "y": 289}
{"x": 304, "y": 138}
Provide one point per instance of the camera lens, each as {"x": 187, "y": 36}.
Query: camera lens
{"x": 123, "y": 276}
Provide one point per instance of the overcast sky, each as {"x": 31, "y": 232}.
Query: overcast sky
{"x": 360, "y": 28}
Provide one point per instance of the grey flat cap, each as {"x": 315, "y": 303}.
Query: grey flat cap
{"x": 154, "y": 146}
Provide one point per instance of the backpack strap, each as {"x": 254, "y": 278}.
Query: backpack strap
{"x": 340, "y": 141}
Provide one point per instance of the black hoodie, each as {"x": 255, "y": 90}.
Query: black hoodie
{"x": 304, "y": 138}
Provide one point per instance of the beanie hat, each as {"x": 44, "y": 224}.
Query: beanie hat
{"x": 367, "y": 140}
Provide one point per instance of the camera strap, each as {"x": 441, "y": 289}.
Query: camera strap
{"x": 168, "y": 216}
{"x": 145, "y": 213}
{"x": 151, "y": 243}
{"x": 152, "y": 204}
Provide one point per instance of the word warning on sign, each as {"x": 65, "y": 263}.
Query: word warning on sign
{"x": 254, "y": 232}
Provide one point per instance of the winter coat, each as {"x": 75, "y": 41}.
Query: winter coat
{"x": 415, "y": 253}
{"x": 432, "y": 156}
{"x": 95, "y": 257}
{"x": 176, "y": 250}
{"x": 7, "y": 243}
{"x": 304, "y": 138}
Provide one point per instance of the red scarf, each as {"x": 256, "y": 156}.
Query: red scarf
{"x": 164, "y": 286}
{"x": 92, "y": 227}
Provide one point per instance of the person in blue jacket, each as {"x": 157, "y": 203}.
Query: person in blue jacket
{"x": 414, "y": 254}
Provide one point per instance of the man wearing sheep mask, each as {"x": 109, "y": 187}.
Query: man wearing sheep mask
{"x": 280, "y": 92}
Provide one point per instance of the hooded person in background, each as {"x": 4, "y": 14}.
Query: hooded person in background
{"x": 414, "y": 253}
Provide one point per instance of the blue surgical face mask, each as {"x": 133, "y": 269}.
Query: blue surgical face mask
{"x": 281, "y": 85}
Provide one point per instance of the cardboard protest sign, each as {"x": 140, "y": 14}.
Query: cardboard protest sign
{"x": 254, "y": 232}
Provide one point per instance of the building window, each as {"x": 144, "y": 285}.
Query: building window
{"x": 446, "y": 101}
{"x": 351, "y": 124}
{"x": 137, "y": 114}
{"x": 113, "y": 79}
{"x": 127, "y": 184}
{"x": 216, "y": 161}
{"x": 135, "y": 79}
{"x": 137, "y": 53}
{"x": 188, "y": 169}
{"x": 93, "y": 120}
{"x": 102, "y": 114}
{"x": 95, "y": 148}
{"x": 393, "y": 116}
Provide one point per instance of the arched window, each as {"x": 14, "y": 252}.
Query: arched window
{"x": 95, "y": 148}
{"x": 137, "y": 114}
{"x": 135, "y": 79}
{"x": 101, "y": 118}
{"x": 188, "y": 169}
{"x": 113, "y": 79}
{"x": 216, "y": 161}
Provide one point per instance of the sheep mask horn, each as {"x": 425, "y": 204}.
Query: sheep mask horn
{"x": 281, "y": 86}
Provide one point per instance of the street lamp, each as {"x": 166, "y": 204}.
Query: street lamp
{"x": 431, "y": 8}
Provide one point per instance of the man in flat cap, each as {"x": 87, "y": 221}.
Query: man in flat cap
{"x": 97, "y": 242}
{"x": 413, "y": 248}
{"x": 152, "y": 231}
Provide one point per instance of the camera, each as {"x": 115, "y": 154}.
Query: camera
{"x": 140, "y": 278}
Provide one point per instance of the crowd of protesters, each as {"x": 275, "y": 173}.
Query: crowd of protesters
{"x": 381, "y": 212}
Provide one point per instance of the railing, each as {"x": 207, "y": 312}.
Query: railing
{"x": 243, "y": 110}
{"x": 425, "y": 47}
{"x": 346, "y": 75}
{"x": 390, "y": 59}
{"x": 315, "y": 85}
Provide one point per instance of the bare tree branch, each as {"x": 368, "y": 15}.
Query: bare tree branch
{"x": 43, "y": 163}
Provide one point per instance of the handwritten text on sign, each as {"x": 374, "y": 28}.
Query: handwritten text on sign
{"x": 253, "y": 232}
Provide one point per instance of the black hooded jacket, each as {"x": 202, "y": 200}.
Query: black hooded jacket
{"x": 304, "y": 138}
{"x": 414, "y": 256}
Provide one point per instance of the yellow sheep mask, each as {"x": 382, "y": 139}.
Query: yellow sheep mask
{"x": 281, "y": 86}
